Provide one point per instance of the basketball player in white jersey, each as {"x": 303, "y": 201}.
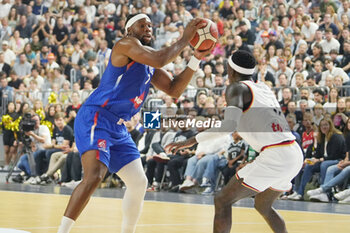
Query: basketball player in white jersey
{"x": 254, "y": 112}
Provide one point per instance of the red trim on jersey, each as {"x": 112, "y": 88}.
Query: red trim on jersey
{"x": 95, "y": 118}
{"x": 285, "y": 143}
{"x": 246, "y": 185}
{"x": 129, "y": 65}
{"x": 251, "y": 103}
{"x": 97, "y": 154}
{"x": 105, "y": 103}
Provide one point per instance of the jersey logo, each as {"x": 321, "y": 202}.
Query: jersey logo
{"x": 138, "y": 100}
{"x": 102, "y": 145}
{"x": 276, "y": 127}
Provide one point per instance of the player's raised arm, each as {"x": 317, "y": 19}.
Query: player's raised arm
{"x": 203, "y": 45}
{"x": 139, "y": 35}
{"x": 228, "y": 125}
{"x": 238, "y": 95}
{"x": 174, "y": 87}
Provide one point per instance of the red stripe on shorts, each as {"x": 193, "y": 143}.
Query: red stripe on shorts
{"x": 98, "y": 155}
{"x": 285, "y": 143}
{"x": 95, "y": 118}
{"x": 246, "y": 185}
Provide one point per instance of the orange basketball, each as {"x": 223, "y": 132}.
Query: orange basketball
{"x": 205, "y": 36}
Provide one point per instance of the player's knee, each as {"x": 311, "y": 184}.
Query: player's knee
{"x": 219, "y": 200}
{"x": 92, "y": 181}
{"x": 143, "y": 182}
{"x": 138, "y": 183}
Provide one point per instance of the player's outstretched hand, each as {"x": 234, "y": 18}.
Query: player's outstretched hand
{"x": 172, "y": 148}
{"x": 192, "y": 27}
{"x": 200, "y": 54}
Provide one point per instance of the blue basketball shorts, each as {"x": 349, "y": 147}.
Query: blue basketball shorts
{"x": 97, "y": 129}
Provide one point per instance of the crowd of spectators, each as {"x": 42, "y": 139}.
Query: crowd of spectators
{"x": 53, "y": 54}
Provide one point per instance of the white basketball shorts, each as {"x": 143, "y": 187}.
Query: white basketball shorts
{"x": 274, "y": 168}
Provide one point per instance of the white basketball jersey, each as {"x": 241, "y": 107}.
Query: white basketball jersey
{"x": 263, "y": 123}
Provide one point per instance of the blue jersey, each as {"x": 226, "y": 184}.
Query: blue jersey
{"x": 122, "y": 90}
{"x": 120, "y": 95}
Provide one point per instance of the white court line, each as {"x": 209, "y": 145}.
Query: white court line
{"x": 183, "y": 203}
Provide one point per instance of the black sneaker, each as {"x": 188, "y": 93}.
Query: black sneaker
{"x": 174, "y": 189}
{"x": 45, "y": 179}
{"x": 18, "y": 178}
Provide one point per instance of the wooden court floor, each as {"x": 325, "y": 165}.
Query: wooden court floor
{"x": 41, "y": 213}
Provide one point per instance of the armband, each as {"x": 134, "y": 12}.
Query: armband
{"x": 193, "y": 63}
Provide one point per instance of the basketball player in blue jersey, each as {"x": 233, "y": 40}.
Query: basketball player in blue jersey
{"x": 102, "y": 138}
{"x": 253, "y": 111}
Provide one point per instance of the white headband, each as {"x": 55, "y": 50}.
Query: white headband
{"x": 136, "y": 18}
{"x": 239, "y": 69}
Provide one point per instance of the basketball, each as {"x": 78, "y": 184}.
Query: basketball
{"x": 205, "y": 36}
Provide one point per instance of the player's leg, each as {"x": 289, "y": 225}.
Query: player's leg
{"x": 135, "y": 180}
{"x": 279, "y": 166}
{"x": 94, "y": 172}
{"x": 263, "y": 204}
{"x": 230, "y": 194}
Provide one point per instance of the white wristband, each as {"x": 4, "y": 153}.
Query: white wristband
{"x": 193, "y": 63}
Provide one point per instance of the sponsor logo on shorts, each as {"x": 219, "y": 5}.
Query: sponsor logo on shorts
{"x": 102, "y": 145}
